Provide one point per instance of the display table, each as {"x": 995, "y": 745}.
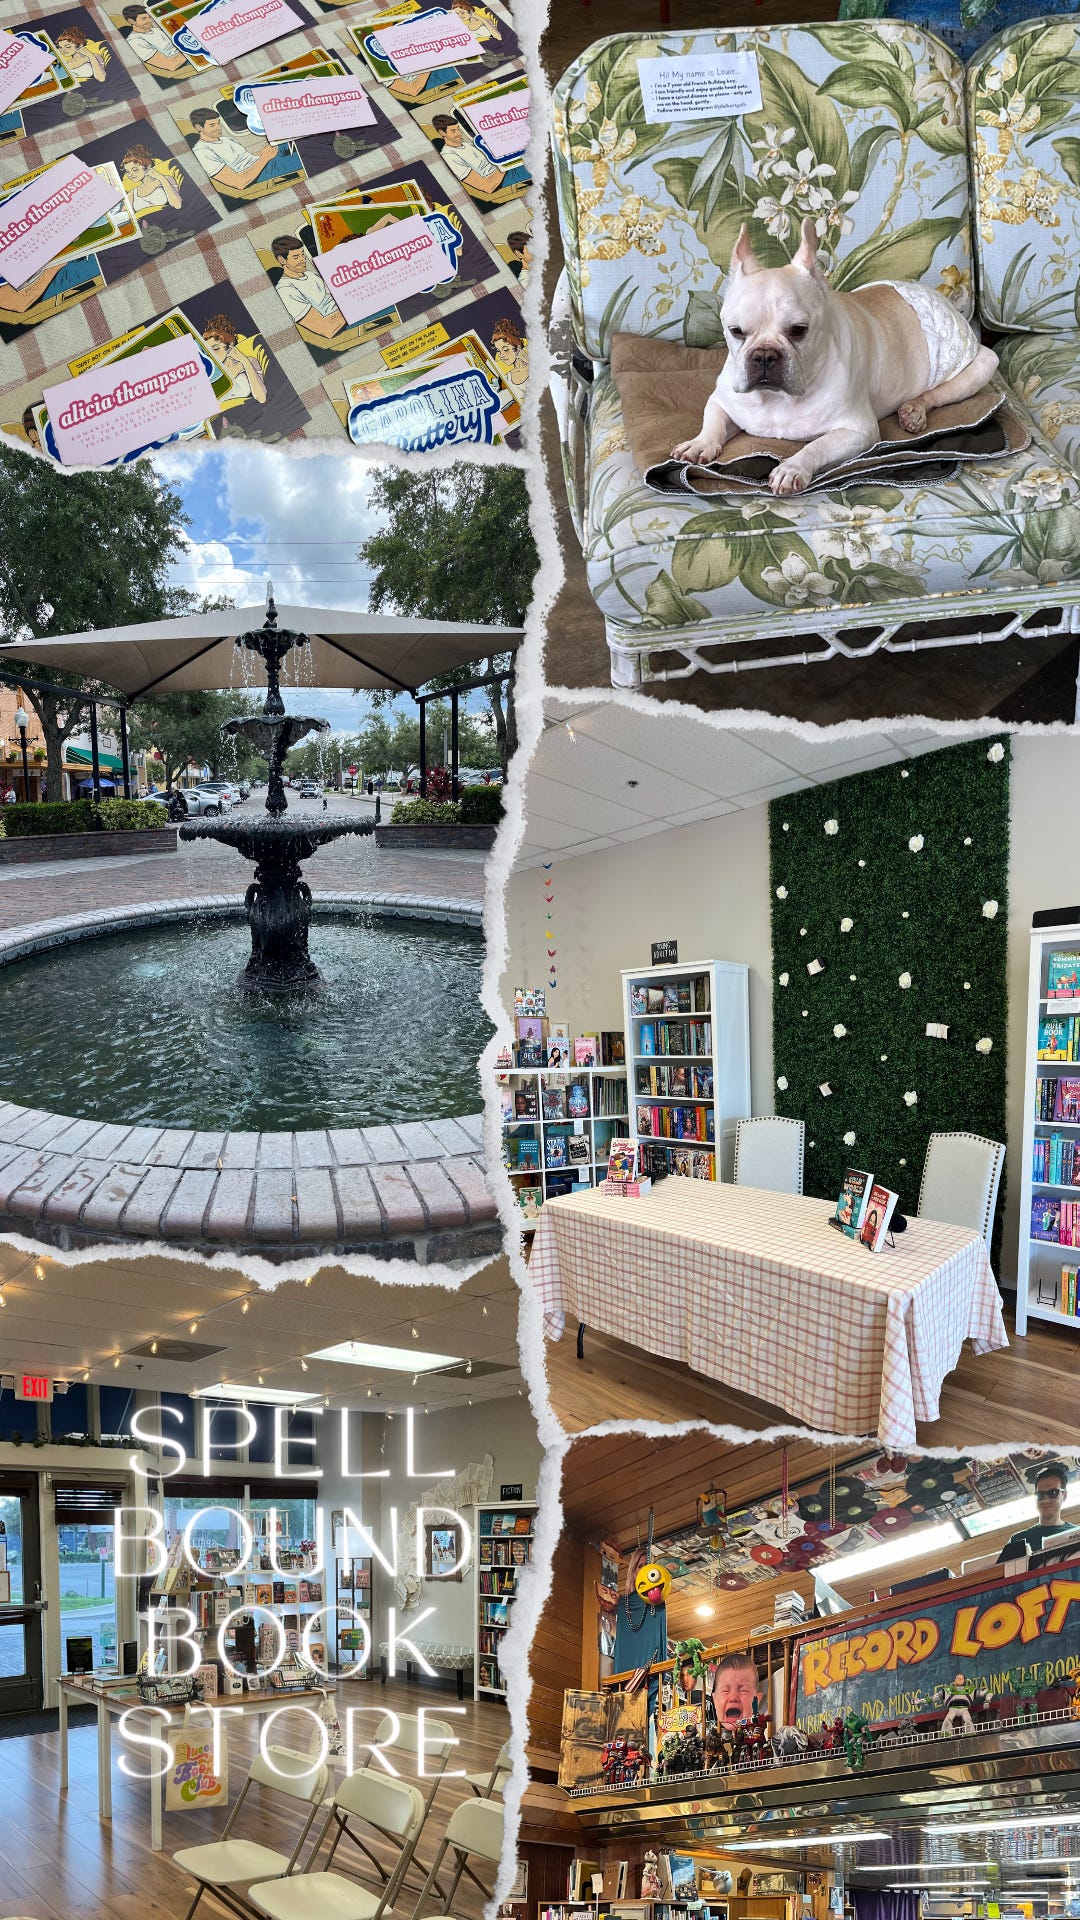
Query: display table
{"x": 756, "y": 1290}
{"x": 111, "y": 1704}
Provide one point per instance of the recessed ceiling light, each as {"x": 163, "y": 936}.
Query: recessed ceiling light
{"x": 271, "y": 1396}
{"x": 848, "y": 1839}
{"x": 358, "y": 1353}
{"x": 705, "y": 1613}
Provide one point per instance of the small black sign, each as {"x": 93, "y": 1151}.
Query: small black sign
{"x": 511, "y": 1493}
{"x": 665, "y": 953}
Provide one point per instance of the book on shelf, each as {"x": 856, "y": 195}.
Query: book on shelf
{"x": 527, "y": 1156}
{"x": 613, "y": 1049}
{"x": 671, "y": 1083}
{"x": 580, "y": 1885}
{"x": 1055, "y": 1160}
{"x": 691, "y": 1163}
{"x": 558, "y": 1051}
{"x": 609, "y": 1099}
{"x": 577, "y": 1148}
{"x": 1055, "y": 1220}
{"x": 529, "y": 1053}
{"x": 1057, "y": 1097}
{"x": 879, "y": 1212}
{"x": 1059, "y": 1037}
{"x": 1063, "y": 975}
{"x": 622, "y": 1162}
{"x": 555, "y": 1154}
{"x": 527, "y": 1101}
{"x": 586, "y": 1050}
{"x": 1067, "y": 1302}
{"x": 853, "y": 1200}
{"x": 530, "y": 1027}
{"x": 528, "y": 1201}
{"x": 577, "y": 1100}
{"x": 553, "y": 1103}
{"x": 675, "y": 1123}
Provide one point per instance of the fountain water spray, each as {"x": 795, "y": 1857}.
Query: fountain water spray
{"x": 278, "y": 901}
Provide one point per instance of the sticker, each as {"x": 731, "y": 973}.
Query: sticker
{"x": 39, "y": 220}
{"x": 503, "y": 124}
{"x": 227, "y": 28}
{"x": 22, "y": 61}
{"x": 290, "y": 109}
{"x": 693, "y": 88}
{"x": 451, "y": 404}
{"x": 432, "y": 40}
{"x": 101, "y": 415}
{"x": 367, "y": 275}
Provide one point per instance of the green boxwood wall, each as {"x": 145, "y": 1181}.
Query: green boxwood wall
{"x": 917, "y": 912}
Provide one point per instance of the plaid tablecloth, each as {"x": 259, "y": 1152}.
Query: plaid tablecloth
{"x": 756, "y": 1290}
{"x": 222, "y": 256}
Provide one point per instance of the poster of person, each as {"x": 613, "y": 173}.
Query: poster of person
{"x": 87, "y": 74}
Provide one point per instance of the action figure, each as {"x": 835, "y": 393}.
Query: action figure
{"x": 757, "y": 1736}
{"x": 854, "y": 1737}
{"x": 832, "y": 1734}
{"x": 958, "y": 1700}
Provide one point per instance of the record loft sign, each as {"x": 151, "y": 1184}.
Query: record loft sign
{"x": 1010, "y": 1636}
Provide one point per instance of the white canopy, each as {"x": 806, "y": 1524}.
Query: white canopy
{"x": 197, "y": 653}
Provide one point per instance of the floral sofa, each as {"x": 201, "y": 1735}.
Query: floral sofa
{"x": 911, "y": 168}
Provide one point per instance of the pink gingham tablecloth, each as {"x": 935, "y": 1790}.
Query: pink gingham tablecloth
{"x": 756, "y": 1290}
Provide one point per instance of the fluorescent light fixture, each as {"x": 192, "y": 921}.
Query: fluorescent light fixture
{"x": 1010, "y": 1826}
{"x": 848, "y": 1839}
{"x": 901, "y": 1547}
{"x": 1013, "y": 1513}
{"x": 257, "y": 1396}
{"x": 928, "y": 1866}
{"x": 358, "y": 1353}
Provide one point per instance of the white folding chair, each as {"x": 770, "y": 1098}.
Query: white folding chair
{"x": 474, "y": 1831}
{"x": 960, "y": 1181}
{"x": 769, "y": 1153}
{"x": 394, "y": 1809}
{"x": 404, "y": 1743}
{"x": 223, "y": 1866}
{"x": 486, "y": 1785}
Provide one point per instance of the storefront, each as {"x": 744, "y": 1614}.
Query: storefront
{"x": 861, "y": 1694}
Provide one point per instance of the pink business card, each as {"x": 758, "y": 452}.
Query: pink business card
{"x": 227, "y": 28}
{"x": 42, "y": 218}
{"x": 385, "y": 266}
{"x": 21, "y": 63}
{"x": 503, "y": 124}
{"x": 290, "y": 109}
{"x": 115, "y": 409}
{"x": 433, "y": 39}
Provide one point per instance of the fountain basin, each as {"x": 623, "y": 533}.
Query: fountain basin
{"x": 413, "y": 1186}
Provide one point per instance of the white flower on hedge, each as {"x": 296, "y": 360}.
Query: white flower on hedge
{"x": 916, "y": 843}
{"x": 846, "y": 924}
{"x": 904, "y": 980}
{"x": 862, "y": 863}
{"x": 839, "y": 1030}
{"x": 996, "y": 753}
{"x": 849, "y": 1139}
{"x": 990, "y": 909}
{"x": 985, "y": 1045}
{"x": 782, "y": 1083}
{"x": 832, "y": 826}
{"x": 784, "y": 978}
{"x": 781, "y": 893}
{"x": 911, "y": 1099}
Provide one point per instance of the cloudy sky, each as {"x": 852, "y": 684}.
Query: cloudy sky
{"x": 297, "y": 522}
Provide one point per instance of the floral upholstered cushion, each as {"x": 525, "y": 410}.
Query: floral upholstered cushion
{"x": 1023, "y": 93}
{"x": 1043, "y": 369}
{"x": 655, "y": 562}
{"x": 860, "y": 129}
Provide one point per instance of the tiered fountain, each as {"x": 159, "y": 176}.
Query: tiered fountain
{"x": 278, "y": 901}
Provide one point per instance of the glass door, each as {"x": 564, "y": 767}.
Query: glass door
{"x": 22, "y": 1609}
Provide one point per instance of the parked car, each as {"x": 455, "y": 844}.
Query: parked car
{"x": 202, "y": 800}
{"x": 229, "y": 794}
{"x": 310, "y": 790}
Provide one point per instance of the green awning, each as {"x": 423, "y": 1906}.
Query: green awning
{"x": 107, "y": 762}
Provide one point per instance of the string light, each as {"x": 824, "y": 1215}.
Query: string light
{"x": 86, "y": 1375}
{"x": 116, "y": 1363}
{"x": 415, "y": 1378}
{"x": 39, "y": 1271}
{"x": 261, "y": 1380}
{"x": 3, "y": 1302}
{"x": 153, "y": 1346}
{"x": 194, "y": 1327}
{"x": 245, "y": 1306}
{"x": 484, "y": 1311}
{"x": 468, "y": 1369}
{"x": 303, "y": 1366}
{"x": 309, "y": 1279}
{"x": 416, "y": 1333}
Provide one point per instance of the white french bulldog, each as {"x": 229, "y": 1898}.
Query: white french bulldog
{"x": 805, "y": 363}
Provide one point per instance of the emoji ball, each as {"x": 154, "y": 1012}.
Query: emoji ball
{"x": 653, "y": 1584}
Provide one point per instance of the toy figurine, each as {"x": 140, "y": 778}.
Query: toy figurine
{"x": 832, "y": 1734}
{"x": 714, "y": 1749}
{"x": 958, "y": 1700}
{"x": 789, "y": 1742}
{"x": 620, "y": 1762}
{"x": 651, "y": 1888}
{"x": 757, "y": 1736}
{"x": 1027, "y": 1701}
{"x": 855, "y": 1741}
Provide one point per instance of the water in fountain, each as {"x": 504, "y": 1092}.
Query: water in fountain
{"x": 278, "y": 901}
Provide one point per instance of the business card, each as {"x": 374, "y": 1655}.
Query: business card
{"x": 384, "y": 266}
{"x": 228, "y": 28}
{"x": 292, "y": 109}
{"x": 116, "y": 409}
{"x": 434, "y": 39}
{"x": 503, "y": 123}
{"x": 39, "y": 220}
{"x": 22, "y": 61}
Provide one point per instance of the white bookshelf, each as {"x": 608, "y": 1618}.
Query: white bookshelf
{"x": 604, "y": 1086}
{"x": 1039, "y": 1262}
{"x": 503, "y": 1560}
{"x": 717, "y": 1036}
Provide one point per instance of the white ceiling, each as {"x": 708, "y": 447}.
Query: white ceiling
{"x": 687, "y": 767}
{"x": 78, "y": 1319}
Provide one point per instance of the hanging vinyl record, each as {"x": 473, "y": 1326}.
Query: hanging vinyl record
{"x": 891, "y": 1520}
{"x": 814, "y": 1506}
{"x": 731, "y": 1583}
{"x": 766, "y": 1556}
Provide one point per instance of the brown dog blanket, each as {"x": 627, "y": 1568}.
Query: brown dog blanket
{"x": 664, "y": 386}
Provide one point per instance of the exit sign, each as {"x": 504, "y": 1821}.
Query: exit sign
{"x": 33, "y": 1386}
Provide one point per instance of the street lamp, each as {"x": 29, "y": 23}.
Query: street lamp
{"x": 22, "y": 722}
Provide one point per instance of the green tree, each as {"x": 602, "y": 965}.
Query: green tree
{"x": 80, "y": 551}
{"x": 185, "y": 727}
{"x": 456, "y": 545}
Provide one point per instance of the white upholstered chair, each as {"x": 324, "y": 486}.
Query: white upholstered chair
{"x": 769, "y": 1153}
{"x": 960, "y": 1181}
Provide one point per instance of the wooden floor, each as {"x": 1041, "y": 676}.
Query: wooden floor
{"x": 58, "y": 1862}
{"x": 1023, "y": 1395}
{"x": 1033, "y": 680}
